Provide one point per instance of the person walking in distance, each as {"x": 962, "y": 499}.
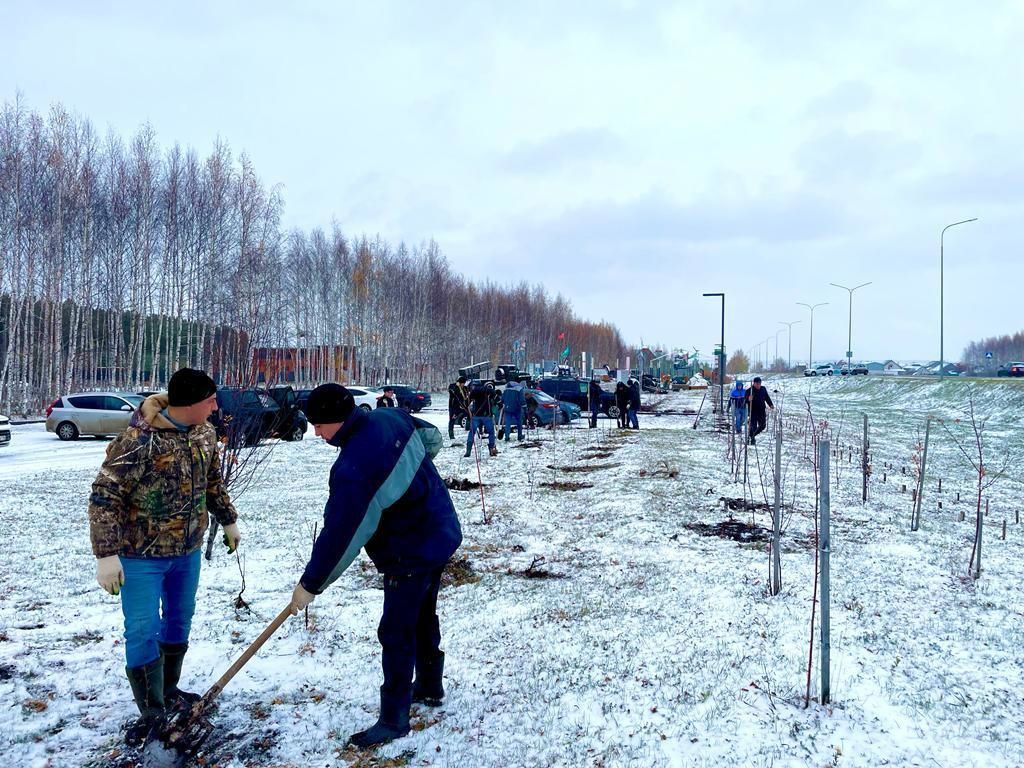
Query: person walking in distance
{"x": 514, "y": 402}
{"x": 622, "y": 403}
{"x": 458, "y": 404}
{"x": 595, "y": 401}
{"x": 757, "y": 399}
{"x": 738, "y": 403}
{"x": 387, "y": 399}
{"x": 480, "y": 402}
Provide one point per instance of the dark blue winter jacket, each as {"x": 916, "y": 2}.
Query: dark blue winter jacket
{"x": 386, "y": 495}
{"x": 514, "y": 399}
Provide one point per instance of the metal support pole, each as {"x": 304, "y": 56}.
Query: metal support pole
{"x": 864, "y": 461}
{"x": 942, "y": 303}
{"x": 777, "y": 514}
{"x": 825, "y": 549}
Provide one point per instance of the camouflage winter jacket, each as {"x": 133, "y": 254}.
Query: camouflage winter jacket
{"x": 151, "y": 496}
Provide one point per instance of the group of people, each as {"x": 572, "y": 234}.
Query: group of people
{"x": 484, "y": 408}
{"x": 488, "y": 411}
{"x": 161, "y": 480}
{"x": 757, "y": 400}
{"x": 627, "y": 399}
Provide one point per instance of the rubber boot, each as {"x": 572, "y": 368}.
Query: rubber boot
{"x": 147, "y": 684}
{"x": 392, "y": 724}
{"x": 494, "y": 451}
{"x": 173, "y": 654}
{"x": 469, "y": 450}
{"x": 429, "y": 688}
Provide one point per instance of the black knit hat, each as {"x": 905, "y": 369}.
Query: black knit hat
{"x": 188, "y": 387}
{"x": 329, "y": 404}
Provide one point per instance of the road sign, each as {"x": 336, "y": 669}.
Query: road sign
{"x": 988, "y": 355}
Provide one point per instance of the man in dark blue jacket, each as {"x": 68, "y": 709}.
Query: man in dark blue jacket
{"x": 513, "y": 400}
{"x": 386, "y": 495}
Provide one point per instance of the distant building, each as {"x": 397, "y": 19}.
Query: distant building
{"x": 302, "y": 365}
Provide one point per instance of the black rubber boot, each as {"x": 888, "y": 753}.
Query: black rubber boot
{"x": 392, "y": 724}
{"x": 428, "y": 688}
{"x": 173, "y": 655}
{"x": 148, "y": 689}
{"x": 468, "y": 452}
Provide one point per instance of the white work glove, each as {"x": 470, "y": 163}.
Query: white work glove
{"x": 110, "y": 574}
{"x": 231, "y": 536}
{"x": 301, "y": 597}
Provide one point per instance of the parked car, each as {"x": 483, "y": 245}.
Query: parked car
{"x": 651, "y": 385}
{"x": 365, "y": 397}
{"x": 1015, "y": 369}
{"x": 410, "y": 398}
{"x": 288, "y": 401}
{"x": 819, "y": 370}
{"x": 91, "y": 413}
{"x": 568, "y": 389}
{"x": 547, "y": 409}
{"x": 246, "y": 415}
{"x": 859, "y": 370}
{"x": 5, "y": 431}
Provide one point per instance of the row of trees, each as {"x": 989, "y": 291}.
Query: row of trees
{"x": 1006, "y": 348}
{"x": 122, "y": 261}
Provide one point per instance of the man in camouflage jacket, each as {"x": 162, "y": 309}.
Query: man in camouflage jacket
{"x": 148, "y": 512}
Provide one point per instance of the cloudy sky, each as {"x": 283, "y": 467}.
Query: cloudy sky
{"x": 631, "y": 155}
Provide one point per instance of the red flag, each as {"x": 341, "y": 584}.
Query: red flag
{"x": 561, "y": 335}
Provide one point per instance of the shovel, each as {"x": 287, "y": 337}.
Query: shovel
{"x": 182, "y": 732}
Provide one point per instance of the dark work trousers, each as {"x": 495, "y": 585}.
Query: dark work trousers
{"x": 453, "y": 419}
{"x": 409, "y": 632}
{"x": 758, "y": 421}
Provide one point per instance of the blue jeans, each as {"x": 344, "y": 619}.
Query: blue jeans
{"x": 488, "y": 424}
{"x": 632, "y": 418}
{"x": 513, "y": 418}
{"x": 741, "y": 416}
{"x": 158, "y": 599}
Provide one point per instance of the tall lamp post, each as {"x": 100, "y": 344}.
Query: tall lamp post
{"x": 942, "y": 326}
{"x": 721, "y": 360}
{"x": 776, "y": 345}
{"x": 789, "y": 336}
{"x": 849, "y": 329}
{"x": 810, "y": 350}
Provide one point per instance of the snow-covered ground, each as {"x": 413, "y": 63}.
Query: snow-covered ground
{"x": 652, "y": 646}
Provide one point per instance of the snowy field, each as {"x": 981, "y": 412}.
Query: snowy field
{"x": 646, "y": 644}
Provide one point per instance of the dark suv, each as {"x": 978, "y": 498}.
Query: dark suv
{"x": 412, "y": 400}
{"x": 246, "y": 415}
{"x": 577, "y": 391}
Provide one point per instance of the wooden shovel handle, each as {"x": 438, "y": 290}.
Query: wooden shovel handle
{"x": 247, "y": 654}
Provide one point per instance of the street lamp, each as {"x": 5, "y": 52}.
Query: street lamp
{"x": 810, "y": 351}
{"x": 849, "y": 330}
{"x": 789, "y": 327}
{"x": 776, "y": 346}
{"x": 941, "y": 289}
{"x": 721, "y": 360}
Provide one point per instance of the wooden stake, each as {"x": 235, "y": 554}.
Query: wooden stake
{"x": 1004, "y": 529}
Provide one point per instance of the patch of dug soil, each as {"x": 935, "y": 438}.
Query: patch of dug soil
{"x": 529, "y": 444}
{"x": 736, "y": 504}
{"x": 584, "y": 467}
{"x": 597, "y": 455}
{"x": 462, "y": 484}
{"x": 566, "y": 485}
{"x": 459, "y": 572}
{"x": 737, "y": 530}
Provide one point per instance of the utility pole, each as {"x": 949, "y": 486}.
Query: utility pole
{"x": 789, "y": 327}
{"x": 849, "y": 329}
{"x": 810, "y": 351}
{"x": 942, "y": 236}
